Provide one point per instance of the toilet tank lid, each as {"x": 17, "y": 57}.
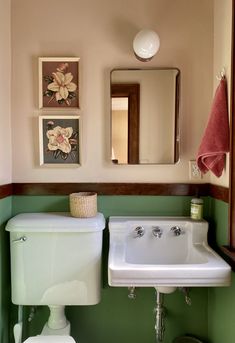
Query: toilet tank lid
{"x": 50, "y": 339}
{"x": 54, "y": 222}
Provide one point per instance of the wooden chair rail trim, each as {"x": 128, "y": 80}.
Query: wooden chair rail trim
{"x": 158, "y": 189}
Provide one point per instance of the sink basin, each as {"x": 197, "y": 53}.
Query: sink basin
{"x": 163, "y": 252}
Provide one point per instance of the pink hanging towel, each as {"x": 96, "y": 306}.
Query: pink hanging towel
{"x": 215, "y": 141}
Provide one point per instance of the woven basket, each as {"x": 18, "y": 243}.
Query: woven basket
{"x": 83, "y": 204}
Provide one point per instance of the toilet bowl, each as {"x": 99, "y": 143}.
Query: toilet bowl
{"x": 50, "y": 339}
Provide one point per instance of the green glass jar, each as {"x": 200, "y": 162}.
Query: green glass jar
{"x": 196, "y": 210}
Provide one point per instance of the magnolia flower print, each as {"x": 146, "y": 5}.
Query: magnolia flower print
{"x": 62, "y": 141}
{"x": 59, "y": 139}
{"x": 60, "y": 86}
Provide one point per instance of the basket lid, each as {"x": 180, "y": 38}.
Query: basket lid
{"x": 54, "y": 222}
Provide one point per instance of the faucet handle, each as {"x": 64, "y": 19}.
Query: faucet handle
{"x": 157, "y": 231}
{"x": 177, "y": 230}
{"x": 139, "y": 231}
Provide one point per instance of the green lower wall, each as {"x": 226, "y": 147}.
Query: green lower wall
{"x": 111, "y": 205}
{"x": 221, "y": 301}
{"x": 118, "y": 318}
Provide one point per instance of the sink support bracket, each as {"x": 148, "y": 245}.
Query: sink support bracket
{"x": 160, "y": 315}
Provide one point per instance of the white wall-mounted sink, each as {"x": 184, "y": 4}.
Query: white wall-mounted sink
{"x": 163, "y": 251}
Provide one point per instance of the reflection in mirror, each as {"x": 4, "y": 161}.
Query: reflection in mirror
{"x": 144, "y": 116}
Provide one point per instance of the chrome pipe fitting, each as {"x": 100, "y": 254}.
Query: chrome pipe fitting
{"x": 160, "y": 316}
{"x": 33, "y": 310}
{"x": 132, "y": 294}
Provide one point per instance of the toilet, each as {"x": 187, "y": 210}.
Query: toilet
{"x": 55, "y": 261}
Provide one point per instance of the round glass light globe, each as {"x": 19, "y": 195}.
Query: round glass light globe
{"x": 146, "y": 44}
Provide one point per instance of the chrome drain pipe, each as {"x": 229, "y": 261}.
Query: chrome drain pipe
{"x": 160, "y": 315}
{"x": 131, "y": 294}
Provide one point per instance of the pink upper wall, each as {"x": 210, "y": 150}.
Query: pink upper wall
{"x": 5, "y": 94}
{"x": 100, "y": 33}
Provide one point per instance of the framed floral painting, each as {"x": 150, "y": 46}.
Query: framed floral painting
{"x": 59, "y": 82}
{"x": 59, "y": 140}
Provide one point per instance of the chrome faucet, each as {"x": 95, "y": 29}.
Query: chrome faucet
{"x": 157, "y": 232}
{"x": 139, "y": 231}
{"x": 176, "y": 230}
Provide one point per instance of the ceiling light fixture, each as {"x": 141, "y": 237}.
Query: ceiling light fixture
{"x": 146, "y": 44}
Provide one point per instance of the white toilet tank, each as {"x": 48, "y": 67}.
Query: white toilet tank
{"x": 55, "y": 258}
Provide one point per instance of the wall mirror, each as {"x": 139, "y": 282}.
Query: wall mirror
{"x": 145, "y": 116}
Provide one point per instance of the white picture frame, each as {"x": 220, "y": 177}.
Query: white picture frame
{"x": 59, "y": 140}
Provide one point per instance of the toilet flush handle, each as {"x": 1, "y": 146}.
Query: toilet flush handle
{"x": 22, "y": 239}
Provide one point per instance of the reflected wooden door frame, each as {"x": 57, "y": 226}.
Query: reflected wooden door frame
{"x": 132, "y": 92}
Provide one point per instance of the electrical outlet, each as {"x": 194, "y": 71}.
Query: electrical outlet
{"x": 194, "y": 171}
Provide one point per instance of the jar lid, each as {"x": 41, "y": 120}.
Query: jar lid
{"x": 197, "y": 201}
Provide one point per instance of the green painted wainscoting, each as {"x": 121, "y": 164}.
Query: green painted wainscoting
{"x": 221, "y": 301}
{"x": 118, "y": 319}
{"x": 5, "y": 214}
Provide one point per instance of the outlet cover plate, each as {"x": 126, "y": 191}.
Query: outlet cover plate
{"x": 194, "y": 171}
